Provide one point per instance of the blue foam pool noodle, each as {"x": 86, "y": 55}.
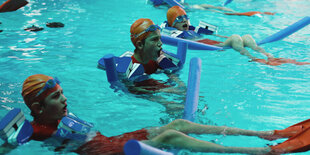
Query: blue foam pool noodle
{"x": 134, "y": 147}
{"x": 227, "y": 2}
{"x": 191, "y": 44}
{"x": 109, "y": 64}
{"x": 287, "y": 31}
{"x": 192, "y": 93}
{"x": 181, "y": 53}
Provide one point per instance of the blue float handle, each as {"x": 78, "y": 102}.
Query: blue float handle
{"x": 181, "y": 53}
{"x": 287, "y": 31}
{"x": 192, "y": 93}
{"x": 134, "y": 147}
{"x": 191, "y": 44}
{"x": 110, "y": 67}
{"x": 227, "y": 2}
{"x": 174, "y": 3}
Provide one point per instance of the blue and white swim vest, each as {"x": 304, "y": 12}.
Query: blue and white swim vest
{"x": 14, "y": 128}
{"x": 135, "y": 71}
{"x": 71, "y": 127}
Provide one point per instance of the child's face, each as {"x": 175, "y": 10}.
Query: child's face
{"x": 152, "y": 46}
{"x": 55, "y": 106}
{"x": 181, "y": 23}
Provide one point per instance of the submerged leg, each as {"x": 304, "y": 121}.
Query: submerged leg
{"x": 207, "y": 6}
{"x": 236, "y": 42}
{"x": 179, "y": 140}
{"x": 248, "y": 41}
{"x": 188, "y": 127}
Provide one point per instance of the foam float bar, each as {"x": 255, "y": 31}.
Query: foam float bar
{"x": 174, "y": 3}
{"x": 109, "y": 64}
{"x": 227, "y": 2}
{"x": 71, "y": 127}
{"x": 14, "y": 128}
{"x": 134, "y": 147}
{"x": 10, "y": 122}
{"x": 192, "y": 45}
{"x": 192, "y": 93}
{"x": 181, "y": 53}
{"x": 287, "y": 31}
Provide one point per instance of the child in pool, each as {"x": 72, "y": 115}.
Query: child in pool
{"x": 177, "y": 18}
{"x": 145, "y": 36}
{"x": 44, "y": 97}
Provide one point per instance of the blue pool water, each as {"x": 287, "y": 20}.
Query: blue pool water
{"x": 237, "y": 93}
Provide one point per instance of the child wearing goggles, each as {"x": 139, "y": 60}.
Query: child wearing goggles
{"x": 178, "y": 19}
{"x": 173, "y": 134}
{"x": 145, "y": 36}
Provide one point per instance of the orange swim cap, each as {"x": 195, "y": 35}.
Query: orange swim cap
{"x": 137, "y": 27}
{"x": 32, "y": 86}
{"x": 173, "y": 13}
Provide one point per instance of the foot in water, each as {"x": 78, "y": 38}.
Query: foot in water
{"x": 285, "y": 133}
{"x": 289, "y": 132}
{"x": 251, "y": 13}
{"x": 280, "y": 61}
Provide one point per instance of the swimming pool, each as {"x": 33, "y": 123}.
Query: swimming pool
{"x": 237, "y": 93}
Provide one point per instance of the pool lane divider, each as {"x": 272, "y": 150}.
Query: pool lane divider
{"x": 134, "y": 147}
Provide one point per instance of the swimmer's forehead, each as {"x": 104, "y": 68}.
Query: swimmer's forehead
{"x": 154, "y": 34}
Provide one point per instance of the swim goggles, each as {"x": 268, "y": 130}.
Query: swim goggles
{"x": 51, "y": 83}
{"x": 180, "y": 19}
{"x": 151, "y": 28}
